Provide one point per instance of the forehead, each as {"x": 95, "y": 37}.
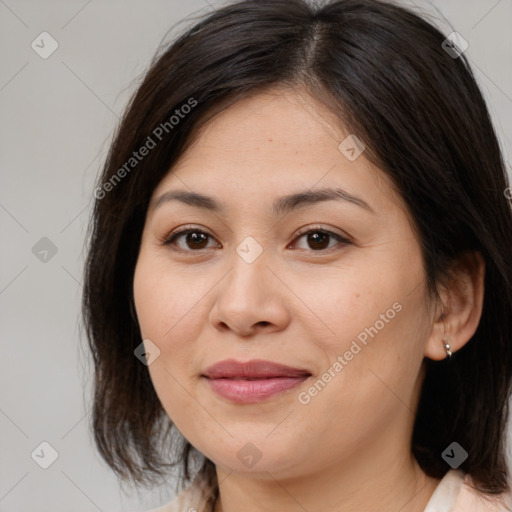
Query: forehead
{"x": 275, "y": 123}
{"x": 273, "y": 142}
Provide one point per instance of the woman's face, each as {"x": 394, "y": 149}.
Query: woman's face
{"x": 330, "y": 285}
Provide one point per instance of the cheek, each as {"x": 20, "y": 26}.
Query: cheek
{"x": 376, "y": 300}
{"x": 167, "y": 315}
{"x": 164, "y": 299}
{"x": 164, "y": 307}
{"x": 378, "y": 317}
{"x": 374, "y": 363}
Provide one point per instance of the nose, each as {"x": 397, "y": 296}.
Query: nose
{"x": 250, "y": 300}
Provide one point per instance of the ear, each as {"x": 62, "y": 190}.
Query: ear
{"x": 460, "y": 308}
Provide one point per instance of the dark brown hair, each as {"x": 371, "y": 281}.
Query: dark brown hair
{"x": 383, "y": 71}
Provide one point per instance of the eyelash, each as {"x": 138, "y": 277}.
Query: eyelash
{"x": 171, "y": 239}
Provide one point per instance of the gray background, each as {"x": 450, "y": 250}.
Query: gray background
{"x": 57, "y": 117}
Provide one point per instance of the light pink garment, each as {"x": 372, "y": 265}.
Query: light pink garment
{"x": 453, "y": 494}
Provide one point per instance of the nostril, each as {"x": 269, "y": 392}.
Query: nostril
{"x": 264, "y": 323}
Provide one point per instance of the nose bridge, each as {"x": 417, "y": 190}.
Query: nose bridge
{"x": 249, "y": 278}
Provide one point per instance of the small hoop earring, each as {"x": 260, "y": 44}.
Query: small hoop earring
{"x": 447, "y": 349}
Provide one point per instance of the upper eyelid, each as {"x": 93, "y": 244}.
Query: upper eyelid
{"x": 308, "y": 229}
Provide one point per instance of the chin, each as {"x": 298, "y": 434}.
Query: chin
{"x": 256, "y": 455}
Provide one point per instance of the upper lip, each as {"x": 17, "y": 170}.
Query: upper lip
{"x": 256, "y": 368}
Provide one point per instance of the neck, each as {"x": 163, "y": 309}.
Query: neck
{"x": 400, "y": 486}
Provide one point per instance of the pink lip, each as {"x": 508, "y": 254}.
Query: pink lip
{"x": 252, "y": 381}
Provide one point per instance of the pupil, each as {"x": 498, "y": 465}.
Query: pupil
{"x": 316, "y": 239}
{"x": 194, "y": 239}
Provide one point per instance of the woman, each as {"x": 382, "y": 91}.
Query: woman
{"x": 299, "y": 269}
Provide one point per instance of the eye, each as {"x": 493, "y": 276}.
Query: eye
{"x": 319, "y": 239}
{"x": 193, "y": 238}
{"x": 190, "y": 239}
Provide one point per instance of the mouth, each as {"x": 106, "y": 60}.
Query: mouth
{"x": 252, "y": 381}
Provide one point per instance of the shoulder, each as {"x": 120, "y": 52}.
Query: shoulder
{"x": 455, "y": 494}
{"x": 470, "y": 500}
{"x": 191, "y": 499}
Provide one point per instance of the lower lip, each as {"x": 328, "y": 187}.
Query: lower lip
{"x": 251, "y": 391}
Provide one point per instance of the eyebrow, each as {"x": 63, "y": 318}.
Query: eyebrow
{"x": 281, "y": 206}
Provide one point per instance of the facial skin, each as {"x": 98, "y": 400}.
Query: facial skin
{"x": 299, "y": 303}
